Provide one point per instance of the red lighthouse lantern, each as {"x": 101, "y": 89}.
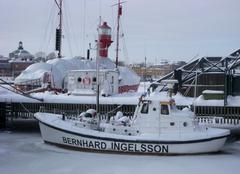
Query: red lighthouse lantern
{"x": 104, "y": 39}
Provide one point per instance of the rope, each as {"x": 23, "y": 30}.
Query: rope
{"x": 68, "y": 29}
{"x": 125, "y": 51}
{"x": 25, "y": 108}
{"x": 84, "y": 27}
{"x": 114, "y": 109}
{"x": 19, "y": 91}
{"x": 46, "y": 31}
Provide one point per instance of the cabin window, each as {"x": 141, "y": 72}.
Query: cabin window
{"x": 79, "y": 79}
{"x": 94, "y": 79}
{"x": 154, "y": 109}
{"x": 144, "y": 109}
{"x": 164, "y": 110}
{"x": 172, "y": 123}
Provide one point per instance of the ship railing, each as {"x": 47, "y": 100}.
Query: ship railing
{"x": 69, "y": 113}
{"x": 73, "y": 114}
{"x": 219, "y": 120}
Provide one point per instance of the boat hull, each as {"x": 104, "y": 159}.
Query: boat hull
{"x": 84, "y": 142}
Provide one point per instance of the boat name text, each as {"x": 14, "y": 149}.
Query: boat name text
{"x": 116, "y": 146}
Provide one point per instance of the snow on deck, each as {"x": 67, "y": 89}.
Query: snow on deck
{"x": 212, "y": 92}
{"x": 233, "y": 101}
{"x": 130, "y": 98}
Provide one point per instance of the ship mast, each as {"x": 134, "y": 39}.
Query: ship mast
{"x": 118, "y": 26}
{"x": 59, "y": 30}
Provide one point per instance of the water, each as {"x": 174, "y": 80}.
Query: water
{"x": 22, "y": 151}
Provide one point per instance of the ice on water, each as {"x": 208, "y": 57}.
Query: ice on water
{"x": 26, "y": 153}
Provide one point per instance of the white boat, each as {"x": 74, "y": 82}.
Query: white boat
{"x": 157, "y": 127}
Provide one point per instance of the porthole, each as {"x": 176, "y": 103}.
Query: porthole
{"x": 154, "y": 109}
{"x": 185, "y": 124}
{"x": 114, "y": 129}
{"x": 137, "y": 131}
{"x": 129, "y": 134}
{"x": 79, "y": 79}
{"x": 172, "y": 123}
{"x": 125, "y": 130}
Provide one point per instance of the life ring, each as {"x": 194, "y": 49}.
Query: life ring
{"x": 86, "y": 81}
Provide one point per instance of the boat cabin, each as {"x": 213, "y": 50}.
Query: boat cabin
{"x": 84, "y": 82}
{"x": 154, "y": 116}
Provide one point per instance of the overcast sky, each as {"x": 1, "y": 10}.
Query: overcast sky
{"x": 157, "y": 29}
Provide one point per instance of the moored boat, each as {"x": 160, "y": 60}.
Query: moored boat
{"x": 157, "y": 127}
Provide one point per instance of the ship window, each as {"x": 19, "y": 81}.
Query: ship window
{"x": 172, "y": 123}
{"x": 79, "y": 79}
{"x": 94, "y": 79}
{"x": 154, "y": 109}
{"x": 144, "y": 109}
{"x": 185, "y": 124}
{"x": 164, "y": 110}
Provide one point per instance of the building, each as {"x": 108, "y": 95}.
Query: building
{"x": 155, "y": 71}
{"x": 18, "y": 61}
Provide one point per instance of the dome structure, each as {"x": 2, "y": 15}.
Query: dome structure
{"x": 20, "y": 54}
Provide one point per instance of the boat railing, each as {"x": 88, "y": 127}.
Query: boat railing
{"x": 218, "y": 121}
{"x": 73, "y": 113}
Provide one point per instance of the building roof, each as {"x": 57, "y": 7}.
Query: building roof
{"x": 20, "y": 54}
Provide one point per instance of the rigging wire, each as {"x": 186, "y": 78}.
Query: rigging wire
{"x": 124, "y": 45}
{"x": 51, "y": 32}
{"x": 84, "y": 27}
{"x": 68, "y": 28}
{"x": 74, "y": 33}
{"x": 114, "y": 23}
{"x": 46, "y": 34}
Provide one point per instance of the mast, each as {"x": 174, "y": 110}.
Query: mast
{"x": 118, "y": 24}
{"x": 59, "y": 29}
{"x": 97, "y": 70}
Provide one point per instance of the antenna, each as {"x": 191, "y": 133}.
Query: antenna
{"x": 59, "y": 30}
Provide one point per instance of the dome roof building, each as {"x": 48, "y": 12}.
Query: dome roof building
{"x": 21, "y": 55}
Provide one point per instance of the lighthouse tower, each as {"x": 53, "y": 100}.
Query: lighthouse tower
{"x": 104, "y": 39}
